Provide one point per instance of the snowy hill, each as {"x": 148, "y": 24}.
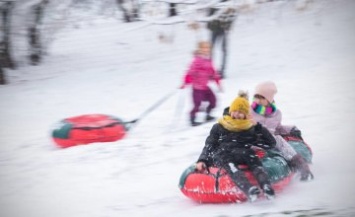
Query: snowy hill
{"x": 110, "y": 67}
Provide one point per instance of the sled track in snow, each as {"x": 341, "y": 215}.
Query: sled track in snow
{"x": 319, "y": 212}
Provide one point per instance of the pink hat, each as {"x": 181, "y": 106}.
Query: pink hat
{"x": 266, "y": 89}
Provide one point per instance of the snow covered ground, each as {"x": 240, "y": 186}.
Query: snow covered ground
{"x": 109, "y": 67}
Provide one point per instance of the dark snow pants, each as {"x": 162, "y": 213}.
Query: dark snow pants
{"x": 221, "y": 36}
{"x": 230, "y": 159}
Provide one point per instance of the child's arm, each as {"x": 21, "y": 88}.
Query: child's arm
{"x": 211, "y": 145}
{"x": 265, "y": 139}
{"x": 187, "y": 80}
{"x": 218, "y": 82}
{"x": 216, "y": 77}
{"x": 282, "y": 129}
{"x": 188, "y": 75}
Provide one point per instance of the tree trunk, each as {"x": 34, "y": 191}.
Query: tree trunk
{"x": 126, "y": 16}
{"x": 129, "y": 16}
{"x": 2, "y": 76}
{"x": 5, "y": 42}
{"x": 172, "y": 9}
{"x": 136, "y": 9}
{"x": 34, "y": 35}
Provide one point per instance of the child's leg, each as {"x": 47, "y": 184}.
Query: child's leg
{"x": 238, "y": 177}
{"x": 197, "y": 97}
{"x": 285, "y": 148}
{"x": 255, "y": 165}
{"x": 264, "y": 181}
{"x": 214, "y": 36}
{"x": 297, "y": 162}
{"x": 229, "y": 161}
{"x": 258, "y": 171}
{"x": 224, "y": 53}
{"x": 240, "y": 180}
{"x": 261, "y": 176}
{"x": 211, "y": 98}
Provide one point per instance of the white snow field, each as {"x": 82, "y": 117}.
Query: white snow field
{"x": 109, "y": 67}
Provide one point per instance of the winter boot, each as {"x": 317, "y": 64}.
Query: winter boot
{"x": 268, "y": 191}
{"x": 193, "y": 122}
{"x": 210, "y": 118}
{"x": 253, "y": 193}
{"x": 298, "y": 163}
{"x": 243, "y": 183}
{"x": 263, "y": 179}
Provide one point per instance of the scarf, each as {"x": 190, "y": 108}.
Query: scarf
{"x": 235, "y": 125}
{"x": 263, "y": 110}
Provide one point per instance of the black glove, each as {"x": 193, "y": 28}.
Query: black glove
{"x": 296, "y": 133}
{"x": 258, "y": 128}
{"x": 258, "y": 134}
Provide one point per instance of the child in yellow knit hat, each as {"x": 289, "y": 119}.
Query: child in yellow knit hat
{"x": 238, "y": 114}
{"x": 229, "y": 145}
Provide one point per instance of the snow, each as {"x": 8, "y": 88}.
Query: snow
{"x": 109, "y": 67}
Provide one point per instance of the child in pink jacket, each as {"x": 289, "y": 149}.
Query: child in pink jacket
{"x": 202, "y": 71}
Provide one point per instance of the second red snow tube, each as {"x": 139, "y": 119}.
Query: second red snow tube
{"x": 90, "y": 128}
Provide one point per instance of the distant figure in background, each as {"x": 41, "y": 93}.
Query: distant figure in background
{"x": 220, "y": 27}
{"x": 229, "y": 145}
{"x": 201, "y": 71}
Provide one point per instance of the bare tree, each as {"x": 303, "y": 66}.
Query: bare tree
{"x": 5, "y": 41}
{"x": 2, "y": 76}
{"x": 129, "y": 8}
{"x": 172, "y": 9}
{"x": 34, "y": 35}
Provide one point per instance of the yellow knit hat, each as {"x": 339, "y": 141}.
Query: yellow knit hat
{"x": 240, "y": 103}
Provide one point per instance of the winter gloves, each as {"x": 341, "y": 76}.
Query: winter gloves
{"x": 296, "y": 133}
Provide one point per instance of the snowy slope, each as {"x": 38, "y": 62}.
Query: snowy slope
{"x": 121, "y": 69}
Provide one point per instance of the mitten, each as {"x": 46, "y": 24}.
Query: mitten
{"x": 296, "y": 133}
{"x": 258, "y": 128}
{"x": 258, "y": 133}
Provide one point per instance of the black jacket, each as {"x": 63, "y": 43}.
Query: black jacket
{"x": 223, "y": 22}
{"x": 221, "y": 138}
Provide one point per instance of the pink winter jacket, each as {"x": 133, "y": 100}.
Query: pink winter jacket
{"x": 201, "y": 71}
{"x": 272, "y": 122}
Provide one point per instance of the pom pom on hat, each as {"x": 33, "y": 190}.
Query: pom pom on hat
{"x": 240, "y": 103}
{"x": 266, "y": 89}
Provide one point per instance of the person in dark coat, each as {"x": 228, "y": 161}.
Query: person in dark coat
{"x": 220, "y": 27}
{"x": 229, "y": 145}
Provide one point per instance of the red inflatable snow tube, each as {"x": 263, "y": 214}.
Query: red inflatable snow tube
{"x": 217, "y": 187}
{"x": 87, "y": 129}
